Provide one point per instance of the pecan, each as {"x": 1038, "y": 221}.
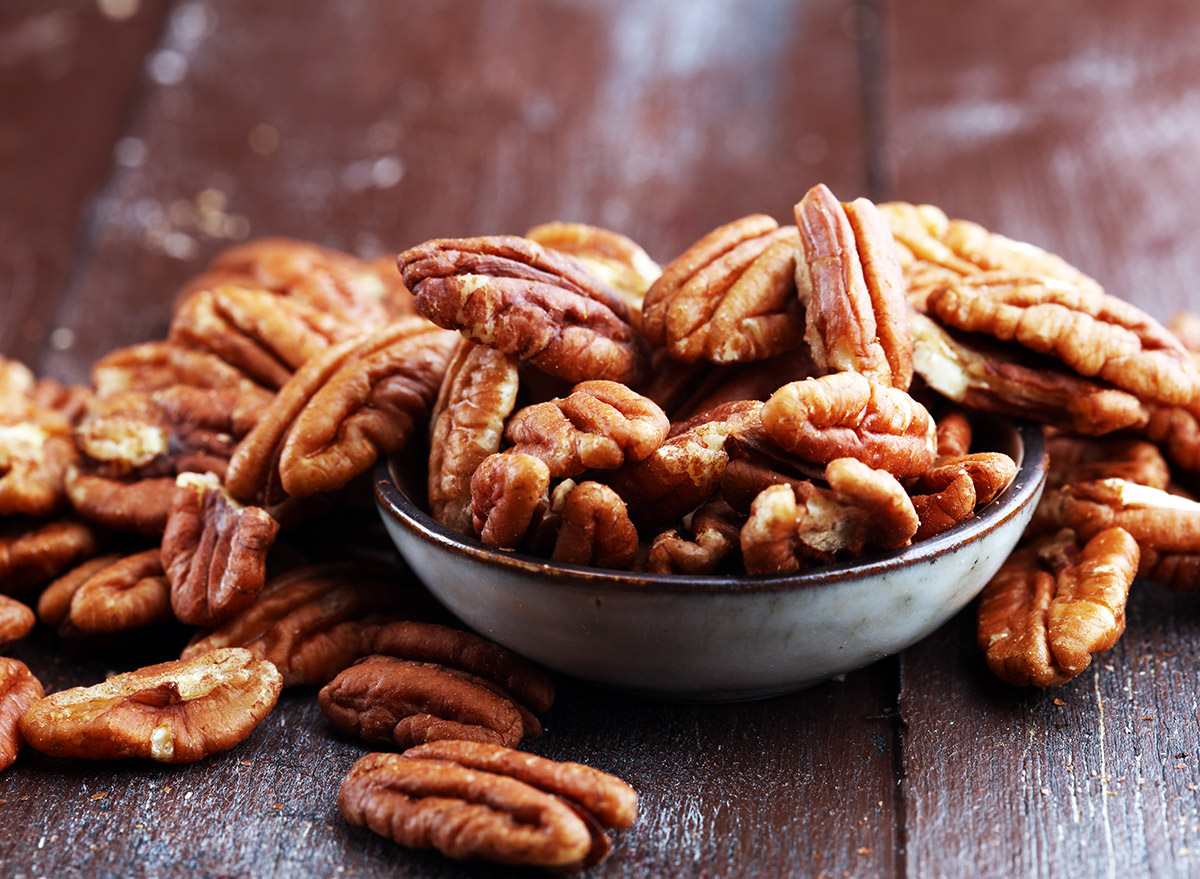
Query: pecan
{"x": 953, "y": 434}
{"x": 1177, "y": 570}
{"x": 33, "y": 554}
{"x": 33, "y": 466}
{"x": 950, "y": 492}
{"x": 16, "y": 620}
{"x": 749, "y": 381}
{"x": 346, "y": 405}
{"x": 482, "y": 802}
{"x": 1013, "y": 381}
{"x": 387, "y": 700}
{"x": 1053, "y": 604}
{"x": 1176, "y": 429}
{"x": 595, "y": 530}
{"x": 314, "y": 621}
{"x": 173, "y": 712}
{"x": 214, "y": 550}
{"x": 1186, "y": 327}
{"x": 1075, "y": 459}
{"x": 598, "y": 426}
{"x": 1155, "y": 518}
{"x": 265, "y": 336}
{"x": 847, "y": 415}
{"x": 715, "y": 528}
{"x": 16, "y": 386}
{"x": 793, "y": 525}
{"x": 18, "y": 690}
{"x": 506, "y": 493}
{"x": 849, "y": 279}
{"x": 686, "y": 470}
{"x": 476, "y": 397}
{"x": 730, "y": 297}
{"x": 513, "y": 295}
{"x": 155, "y": 366}
{"x": 109, "y": 594}
{"x": 366, "y": 293}
{"x": 1091, "y": 332}
{"x": 616, "y": 260}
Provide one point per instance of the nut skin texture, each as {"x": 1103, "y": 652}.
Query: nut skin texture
{"x": 476, "y": 398}
{"x": 513, "y": 295}
{"x": 852, "y": 286}
{"x": 847, "y": 415}
{"x": 173, "y": 712}
{"x": 155, "y": 366}
{"x": 1076, "y": 459}
{"x": 950, "y": 492}
{"x": 506, "y": 492}
{"x": 214, "y": 551}
{"x": 18, "y": 690}
{"x": 17, "y": 620}
{"x": 1053, "y": 604}
{"x": 715, "y": 530}
{"x": 109, "y": 594}
{"x": 1176, "y": 429}
{"x": 1010, "y": 380}
{"x": 598, "y": 426}
{"x": 595, "y": 529}
{"x": 32, "y": 557}
{"x": 1156, "y": 519}
{"x": 480, "y": 802}
{"x": 730, "y": 297}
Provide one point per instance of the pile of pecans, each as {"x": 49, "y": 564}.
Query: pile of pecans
{"x": 774, "y": 398}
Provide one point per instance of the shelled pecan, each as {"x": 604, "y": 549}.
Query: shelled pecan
{"x": 715, "y": 529}
{"x": 1156, "y": 519}
{"x": 479, "y": 802}
{"x": 506, "y": 492}
{"x": 155, "y": 366}
{"x": 594, "y": 529}
{"x": 32, "y": 553}
{"x": 18, "y": 690}
{"x": 112, "y": 593}
{"x": 1078, "y": 459}
{"x": 17, "y": 620}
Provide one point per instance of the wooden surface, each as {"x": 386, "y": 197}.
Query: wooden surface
{"x": 137, "y": 139}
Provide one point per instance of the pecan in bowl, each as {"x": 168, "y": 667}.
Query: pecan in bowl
{"x": 713, "y": 637}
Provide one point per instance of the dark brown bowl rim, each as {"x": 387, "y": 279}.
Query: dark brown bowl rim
{"x": 1023, "y": 490}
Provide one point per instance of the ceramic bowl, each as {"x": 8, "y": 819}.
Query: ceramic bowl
{"x": 713, "y": 638}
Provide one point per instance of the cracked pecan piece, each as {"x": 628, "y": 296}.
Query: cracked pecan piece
{"x": 848, "y": 415}
{"x": 342, "y": 409}
{"x": 33, "y": 465}
{"x": 715, "y": 533}
{"x": 951, "y": 491}
{"x": 265, "y": 336}
{"x": 507, "y": 491}
{"x": 513, "y": 295}
{"x": 214, "y": 550}
{"x": 852, "y": 287}
{"x": 1091, "y": 332}
{"x": 1053, "y": 604}
{"x": 482, "y": 802}
{"x": 598, "y": 426}
{"x": 1012, "y": 381}
{"x": 476, "y": 398}
{"x": 1186, "y": 327}
{"x": 111, "y": 593}
{"x": 33, "y": 553}
{"x": 174, "y": 712}
{"x": 314, "y": 621}
{"x": 18, "y": 690}
{"x": 730, "y": 297}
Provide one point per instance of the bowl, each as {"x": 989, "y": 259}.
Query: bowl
{"x": 713, "y": 638}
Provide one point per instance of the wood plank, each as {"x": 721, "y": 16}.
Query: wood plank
{"x": 1063, "y": 127}
{"x": 426, "y": 119}
{"x": 68, "y": 73}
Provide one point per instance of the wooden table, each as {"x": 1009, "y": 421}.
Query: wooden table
{"x": 138, "y": 138}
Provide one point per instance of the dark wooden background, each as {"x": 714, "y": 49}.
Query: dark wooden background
{"x": 138, "y": 138}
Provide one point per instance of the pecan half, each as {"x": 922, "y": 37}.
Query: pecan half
{"x": 1014, "y": 381}
{"x": 513, "y": 295}
{"x": 345, "y": 406}
{"x": 1075, "y": 459}
{"x": 1155, "y": 518}
{"x": 852, "y": 287}
{"x": 1176, "y": 429}
{"x": 18, "y": 690}
{"x": 730, "y": 297}
{"x": 597, "y": 426}
{"x": 214, "y": 550}
{"x": 34, "y": 553}
{"x": 1176, "y": 570}
{"x": 954, "y": 434}
{"x": 1052, "y": 605}
{"x": 715, "y": 537}
{"x": 154, "y": 366}
{"x": 173, "y": 712}
{"x": 506, "y": 492}
{"x": 594, "y": 529}
{"x": 109, "y": 594}
{"x": 33, "y": 464}
{"x": 16, "y": 620}
{"x": 477, "y": 396}
{"x": 847, "y": 415}
{"x": 1186, "y": 327}
{"x": 950, "y": 492}
{"x": 481, "y": 802}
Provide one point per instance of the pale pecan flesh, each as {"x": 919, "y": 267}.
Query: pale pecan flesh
{"x": 476, "y": 398}
{"x": 18, "y": 690}
{"x": 214, "y": 550}
{"x": 33, "y": 466}
{"x": 847, "y": 415}
{"x": 479, "y": 802}
{"x": 513, "y": 295}
{"x": 852, "y": 287}
{"x": 1053, "y": 604}
{"x": 108, "y": 594}
{"x": 173, "y": 712}
{"x": 33, "y": 553}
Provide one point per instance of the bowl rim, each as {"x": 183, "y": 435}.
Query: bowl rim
{"x": 1026, "y": 485}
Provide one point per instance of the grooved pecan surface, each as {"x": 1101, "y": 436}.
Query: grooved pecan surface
{"x": 1053, "y": 604}
{"x": 847, "y": 415}
{"x": 109, "y": 594}
{"x": 18, "y": 690}
{"x": 474, "y": 801}
{"x": 594, "y": 529}
{"x": 506, "y": 492}
{"x": 155, "y": 366}
{"x": 477, "y": 396}
{"x": 214, "y": 550}
{"x": 715, "y": 529}
{"x": 513, "y": 295}
{"x": 1156, "y": 519}
{"x": 16, "y": 620}
{"x": 1176, "y": 429}
{"x": 34, "y": 553}
{"x": 173, "y": 712}
{"x": 850, "y": 281}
